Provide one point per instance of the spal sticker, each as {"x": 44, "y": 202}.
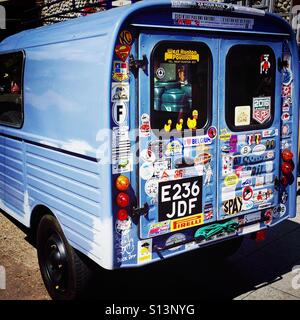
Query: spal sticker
{"x": 242, "y": 115}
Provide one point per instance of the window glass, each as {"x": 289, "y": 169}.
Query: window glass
{"x": 181, "y": 86}
{"x": 250, "y": 87}
{"x": 11, "y": 70}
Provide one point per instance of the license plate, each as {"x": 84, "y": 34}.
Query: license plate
{"x": 180, "y": 198}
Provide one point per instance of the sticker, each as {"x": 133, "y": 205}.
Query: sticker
{"x": 231, "y": 180}
{"x": 120, "y": 91}
{"x": 120, "y": 140}
{"x": 120, "y": 71}
{"x": 174, "y": 147}
{"x": 174, "y": 239}
{"x": 227, "y": 165}
{"x": 269, "y": 133}
{"x": 269, "y": 178}
{"x": 208, "y": 211}
{"x": 279, "y": 211}
{"x": 287, "y": 77}
{"x": 285, "y": 116}
{"x": 284, "y": 197}
{"x": 188, "y": 222}
{"x": 265, "y": 64}
{"x": 145, "y": 125}
{"x": 146, "y": 170}
{"x": 247, "y": 205}
{"x": 228, "y": 193}
{"x": 242, "y": 116}
{"x": 249, "y": 139}
{"x": 259, "y": 149}
{"x": 125, "y": 248}
{"x": 253, "y": 217}
{"x": 285, "y": 129}
{"x": 181, "y": 56}
{"x": 119, "y": 112}
{"x": 196, "y": 141}
{"x": 125, "y": 37}
{"x": 261, "y": 109}
{"x": 144, "y": 251}
{"x": 269, "y": 166}
{"x": 224, "y": 136}
{"x": 122, "y": 51}
{"x": 151, "y": 187}
{"x": 180, "y": 198}
{"x": 159, "y": 228}
{"x": 259, "y": 181}
{"x": 123, "y": 227}
{"x": 246, "y": 182}
{"x": 160, "y": 73}
{"x": 147, "y": 155}
{"x": 245, "y": 150}
{"x": 226, "y": 149}
{"x": 233, "y": 206}
{"x": 208, "y": 174}
{"x": 245, "y": 174}
{"x": 192, "y": 123}
{"x": 204, "y": 20}
{"x": 161, "y": 166}
{"x": 257, "y": 138}
{"x": 247, "y": 193}
{"x": 262, "y": 195}
{"x": 202, "y": 158}
{"x": 212, "y": 132}
{"x": 286, "y": 91}
{"x": 233, "y": 143}
{"x": 268, "y": 215}
{"x": 122, "y": 164}
{"x": 270, "y": 144}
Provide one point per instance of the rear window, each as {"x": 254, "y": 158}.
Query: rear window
{"x": 250, "y": 87}
{"x": 181, "y": 86}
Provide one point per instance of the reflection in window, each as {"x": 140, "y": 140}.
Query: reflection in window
{"x": 250, "y": 87}
{"x": 11, "y": 66}
{"x": 181, "y": 86}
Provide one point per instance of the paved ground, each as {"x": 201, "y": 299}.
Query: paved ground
{"x": 256, "y": 272}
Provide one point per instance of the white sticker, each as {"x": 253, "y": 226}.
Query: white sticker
{"x": 228, "y": 193}
{"x": 246, "y": 182}
{"x": 256, "y": 216}
{"x": 247, "y": 205}
{"x": 259, "y": 181}
{"x": 119, "y": 112}
{"x": 151, "y": 187}
{"x": 242, "y": 116}
{"x": 120, "y": 91}
{"x": 250, "y": 229}
{"x": 245, "y": 174}
{"x": 144, "y": 251}
{"x": 259, "y": 149}
{"x": 245, "y": 150}
{"x": 269, "y": 166}
{"x": 269, "y": 178}
{"x": 146, "y": 170}
{"x": 122, "y": 164}
{"x": 147, "y": 155}
{"x": 175, "y": 238}
{"x": 227, "y": 165}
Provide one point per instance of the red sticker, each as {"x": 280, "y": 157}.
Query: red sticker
{"x": 122, "y": 51}
{"x": 247, "y": 193}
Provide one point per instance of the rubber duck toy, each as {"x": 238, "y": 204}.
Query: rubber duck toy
{"x": 192, "y": 123}
{"x": 179, "y": 125}
{"x": 168, "y": 126}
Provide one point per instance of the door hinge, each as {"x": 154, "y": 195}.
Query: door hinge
{"x": 135, "y": 65}
{"x": 143, "y": 211}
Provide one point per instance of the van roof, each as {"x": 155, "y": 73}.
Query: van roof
{"x": 109, "y": 22}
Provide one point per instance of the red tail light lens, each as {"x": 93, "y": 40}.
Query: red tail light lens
{"x": 123, "y": 200}
{"x": 122, "y": 183}
{"x": 122, "y": 214}
{"x": 284, "y": 180}
{"x": 287, "y": 155}
{"x": 287, "y": 168}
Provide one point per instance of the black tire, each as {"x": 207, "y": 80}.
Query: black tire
{"x": 66, "y": 276}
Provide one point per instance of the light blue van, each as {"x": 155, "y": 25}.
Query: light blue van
{"x": 143, "y": 132}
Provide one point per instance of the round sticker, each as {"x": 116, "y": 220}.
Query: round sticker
{"x": 160, "y": 73}
{"x": 148, "y": 155}
{"x": 212, "y": 132}
{"x": 259, "y": 149}
{"x": 146, "y": 170}
{"x": 279, "y": 211}
{"x": 151, "y": 187}
{"x": 268, "y": 217}
{"x": 285, "y": 116}
{"x": 125, "y": 37}
{"x": 247, "y": 205}
{"x": 245, "y": 150}
{"x": 247, "y": 193}
{"x": 119, "y": 112}
{"x": 231, "y": 180}
{"x": 123, "y": 227}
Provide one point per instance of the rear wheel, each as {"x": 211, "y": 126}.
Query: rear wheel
{"x": 65, "y": 274}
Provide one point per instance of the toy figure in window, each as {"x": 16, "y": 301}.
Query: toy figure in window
{"x": 182, "y": 76}
{"x": 265, "y": 64}
{"x": 15, "y": 86}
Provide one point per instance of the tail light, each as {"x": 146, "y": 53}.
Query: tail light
{"x": 122, "y": 214}
{"x": 284, "y": 180}
{"x": 122, "y": 183}
{"x": 287, "y": 168}
{"x": 123, "y": 200}
{"x": 287, "y": 155}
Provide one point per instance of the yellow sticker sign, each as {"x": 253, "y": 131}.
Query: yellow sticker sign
{"x": 181, "y": 55}
{"x": 231, "y": 180}
{"x": 187, "y": 222}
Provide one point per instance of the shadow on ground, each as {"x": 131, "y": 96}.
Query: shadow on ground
{"x": 193, "y": 276}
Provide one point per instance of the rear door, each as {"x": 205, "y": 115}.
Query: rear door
{"x": 177, "y": 132}
{"x": 249, "y": 121}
